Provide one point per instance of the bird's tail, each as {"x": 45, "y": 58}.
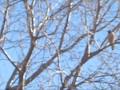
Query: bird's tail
{"x": 112, "y": 46}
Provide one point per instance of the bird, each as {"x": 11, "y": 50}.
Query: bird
{"x": 111, "y": 39}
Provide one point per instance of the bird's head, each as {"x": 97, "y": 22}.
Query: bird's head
{"x": 109, "y": 31}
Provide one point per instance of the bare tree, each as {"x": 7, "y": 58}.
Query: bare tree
{"x": 60, "y": 44}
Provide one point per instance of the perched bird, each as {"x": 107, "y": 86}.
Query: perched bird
{"x": 111, "y": 39}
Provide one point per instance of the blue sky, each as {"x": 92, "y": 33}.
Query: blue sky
{"x": 68, "y": 60}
